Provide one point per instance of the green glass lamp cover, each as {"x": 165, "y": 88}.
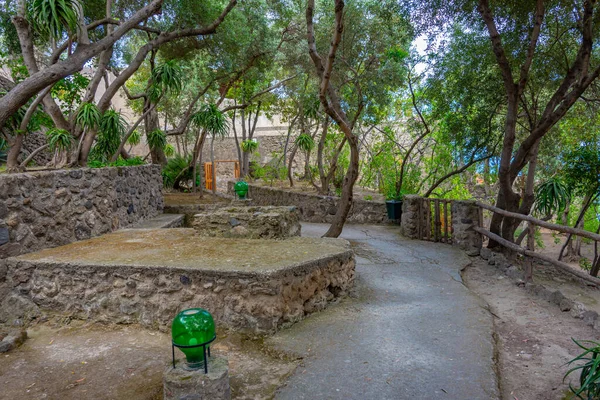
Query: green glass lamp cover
{"x": 193, "y": 327}
{"x": 241, "y": 188}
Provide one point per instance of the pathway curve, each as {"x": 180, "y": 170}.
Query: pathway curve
{"x": 411, "y": 330}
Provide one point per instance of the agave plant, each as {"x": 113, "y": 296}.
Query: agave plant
{"x": 52, "y": 17}
{"x": 589, "y": 378}
{"x": 249, "y": 146}
{"x": 305, "y": 142}
{"x": 88, "y": 116}
{"x": 551, "y": 197}
{"x": 59, "y": 139}
{"x": 157, "y": 139}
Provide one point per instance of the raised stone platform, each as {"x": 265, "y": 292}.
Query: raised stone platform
{"x": 249, "y": 222}
{"x": 162, "y": 221}
{"x": 147, "y": 276}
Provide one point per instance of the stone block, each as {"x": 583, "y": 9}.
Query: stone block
{"x": 182, "y": 384}
{"x": 249, "y": 222}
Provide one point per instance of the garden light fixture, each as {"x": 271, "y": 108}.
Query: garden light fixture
{"x": 241, "y": 189}
{"x": 193, "y": 330}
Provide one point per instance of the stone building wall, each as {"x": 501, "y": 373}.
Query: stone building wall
{"x": 52, "y": 208}
{"x": 316, "y": 208}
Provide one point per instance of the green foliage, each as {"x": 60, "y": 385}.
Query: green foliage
{"x": 135, "y": 138}
{"x": 52, "y": 17}
{"x": 59, "y": 139}
{"x": 212, "y": 120}
{"x": 130, "y": 162}
{"x": 157, "y": 139}
{"x": 3, "y": 150}
{"x": 551, "y": 197}
{"x": 305, "y": 142}
{"x": 589, "y": 379}
{"x": 177, "y": 169}
{"x": 70, "y": 91}
{"x": 249, "y": 146}
{"x": 169, "y": 150}
{"x": 88, "y": 116}
{"x": 112, "y": 129}
{"x": 166, "y": 78}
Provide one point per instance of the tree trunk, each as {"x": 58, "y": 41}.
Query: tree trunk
{"x": 345, "y": 203}
{"x": 290, "y": 176}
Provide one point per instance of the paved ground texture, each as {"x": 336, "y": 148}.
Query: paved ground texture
{"x": 412, "y": 330}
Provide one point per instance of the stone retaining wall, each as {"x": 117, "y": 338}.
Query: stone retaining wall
{"x": 52, "y": 208}
{"x": 249, "y": 222}
{"x": 314, "y": 207}
{"x": 152, "y": 296}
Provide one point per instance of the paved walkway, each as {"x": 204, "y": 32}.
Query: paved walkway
{"x": 411, "y": 330}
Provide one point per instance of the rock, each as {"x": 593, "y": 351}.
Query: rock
{"x": 13, "y": 340}
{"x": 234, "y": 222}
{"x": 565, "y": 305}
{"x": 485, "y": 253}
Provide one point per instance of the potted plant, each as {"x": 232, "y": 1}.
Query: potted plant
{"x": 393, "y": 203}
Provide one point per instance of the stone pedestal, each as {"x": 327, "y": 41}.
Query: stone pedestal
{"x": 409, "y": 225}
{"x": 181, "y": 384}
{"x": 465, "y": 215}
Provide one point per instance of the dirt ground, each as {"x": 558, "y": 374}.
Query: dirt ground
{"x": 533, "y": 335}
{"x": 78, "y": 361}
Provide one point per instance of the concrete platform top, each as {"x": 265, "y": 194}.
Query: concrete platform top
{"x": 182, "y": 249}
{"x": 161, "y": 221}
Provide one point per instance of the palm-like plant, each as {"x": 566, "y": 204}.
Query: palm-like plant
{"x": 59, "y": 139}
{"x": 88, "y": 116}
{"x": 249, "y": 146}
{"x": 135, "y": 138}
{"x": 212, "y": 120}
{"x": 167, "y": 77}
{"x": 177, "y": 170}
{"x": 52, "y": 17}
{"x": 551, "y": 197}
{"x": 305, "y": 142}
{"x": 157, "y": 139}
{"x": 112, "y": 129}
{"x": 169, "y": 150}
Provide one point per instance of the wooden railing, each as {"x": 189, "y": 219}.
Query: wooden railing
{"x": 529, "y": 250}
{"x": 435, "y": 220}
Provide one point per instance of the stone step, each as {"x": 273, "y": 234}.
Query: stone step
{"x": 161, "y": 221}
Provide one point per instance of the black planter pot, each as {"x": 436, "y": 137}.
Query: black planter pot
{"x": 394, "y": 209}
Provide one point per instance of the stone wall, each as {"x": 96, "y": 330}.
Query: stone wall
{"x": 152, "y": 295}
{"x": 314, "y": 207}
{"x": 465, "y": 215}
{"x": 52, "y": 208}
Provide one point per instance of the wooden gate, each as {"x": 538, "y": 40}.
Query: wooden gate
{"x": 208, "y": 171}
{"x": 435, "y": 220}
